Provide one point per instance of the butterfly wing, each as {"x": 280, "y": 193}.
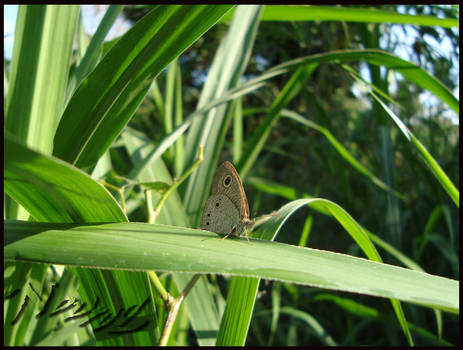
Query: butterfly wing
{"x": 228, "y": 182}
{"x": 220, "y": 215}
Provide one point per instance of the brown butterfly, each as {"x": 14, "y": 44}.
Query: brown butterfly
{"x": 227, "y": 210}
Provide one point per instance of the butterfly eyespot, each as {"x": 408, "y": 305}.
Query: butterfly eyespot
{"x": 208, "y": 215}
{"x": 227, "y": 181}
{"x": 207, "y": 223}
{"x": 217, "y": 204}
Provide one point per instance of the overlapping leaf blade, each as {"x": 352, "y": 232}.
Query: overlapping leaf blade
{"x": 107, "y": 98}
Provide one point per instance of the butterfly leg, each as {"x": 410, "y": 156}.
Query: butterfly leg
{"x": 229, "y": 233}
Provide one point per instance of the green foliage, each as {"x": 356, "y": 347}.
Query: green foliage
{"x": 328, "y": 129}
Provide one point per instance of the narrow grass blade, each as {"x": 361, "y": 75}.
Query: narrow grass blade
{"x": 436, "y": 170}
{"x": 315, "y": 326}
{"x": 260, "y": 135}
{"x": 343, "y": 152}
{"x": 20, "y": 281}
{"x": 107, "y": 98}
{"x": 348, "y": 305}
{"x": 38, "y": 75}
{"x": 346, "y": 14}
{"x": 238, "y": 310}
{"x": 178, "y": 120}
{"x": 39, "y": 72}
{"x": 408, "y": 70}
{"x": 237, "y": 130}
{"x": 93, "y": 51}
{"x": 47, "y": 322}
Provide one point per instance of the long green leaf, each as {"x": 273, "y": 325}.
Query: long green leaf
{"x": 95, "y": 47}
{"x": 107, "y": 98}
{"x": 139, "y": 246}
{"x": 238, "y": 311}
{"x": 347, "y": 14}
{"x": 409, "y": 70}
{"x": 39, "y": 72}
{"x": 52, "y": 190}
{"x": 436, "y": 170}
{"x": 38, "y": 76}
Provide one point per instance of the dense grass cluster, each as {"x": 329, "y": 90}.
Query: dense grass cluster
{"x": 111, "y": 149}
